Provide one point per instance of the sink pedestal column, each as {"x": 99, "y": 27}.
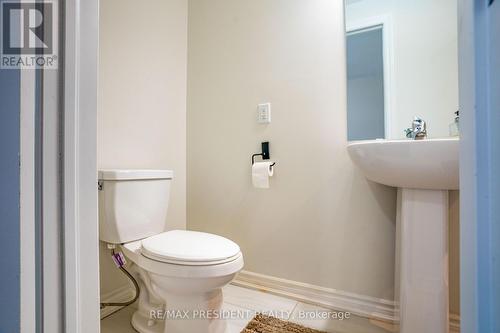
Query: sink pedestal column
{"x": 423, "y": 261}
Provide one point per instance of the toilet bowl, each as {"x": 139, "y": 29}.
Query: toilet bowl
{"x": 180, "y": 273}
{"x": 187, "y": 275}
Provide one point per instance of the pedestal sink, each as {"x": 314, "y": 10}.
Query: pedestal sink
{"x": 423, "y": 171}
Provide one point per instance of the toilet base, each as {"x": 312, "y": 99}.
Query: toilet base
{"x": 143, "y": 324}
{"x": 180, "y": 298}
{"x": 194, "y": 312}
{"x": 179, "y": 313}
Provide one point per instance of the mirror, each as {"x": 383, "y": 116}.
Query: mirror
{"x": 402, "y": 62}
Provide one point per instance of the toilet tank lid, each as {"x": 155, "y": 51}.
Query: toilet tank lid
{"x": 134, "y": 174}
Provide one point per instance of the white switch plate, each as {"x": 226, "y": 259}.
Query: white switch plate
{"x": 264, "y": 113}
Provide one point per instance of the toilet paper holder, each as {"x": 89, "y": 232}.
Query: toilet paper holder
{"x": 265, "y": 154}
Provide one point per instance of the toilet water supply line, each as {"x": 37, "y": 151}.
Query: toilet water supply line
{"x": 120, "y": 261}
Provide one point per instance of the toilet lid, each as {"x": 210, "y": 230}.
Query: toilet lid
{"x": 189, "y": 247}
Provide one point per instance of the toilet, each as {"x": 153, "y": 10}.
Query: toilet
{"x": 180, "y": 273}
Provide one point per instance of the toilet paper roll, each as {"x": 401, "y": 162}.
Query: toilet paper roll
{"x": 261, "y": 171}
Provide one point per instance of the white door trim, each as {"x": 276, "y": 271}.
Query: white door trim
{"x": 388, "y": 46}
{"x": 81, "y": 260}
{"x": 468, "y": 169}
{"x": 478, "y": 168}
{"x": 27, "y": 203}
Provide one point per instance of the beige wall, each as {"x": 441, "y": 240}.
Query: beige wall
{"x": 425, "y": 59}
{"x": 142, "y": 95}
{"x": 321, "y": 222}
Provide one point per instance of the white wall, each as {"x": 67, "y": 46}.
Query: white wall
{"x": 321, "y": 222}
{"x": 142, "y": 96}
{"x": 424, "y": 47}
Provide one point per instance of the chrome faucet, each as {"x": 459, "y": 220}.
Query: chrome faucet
{"x": 418, "y": 130}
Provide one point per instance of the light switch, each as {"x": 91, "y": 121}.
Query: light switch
{"x": 264, "y": 113}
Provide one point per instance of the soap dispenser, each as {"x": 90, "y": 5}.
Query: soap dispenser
{"x": 454, "y": 126}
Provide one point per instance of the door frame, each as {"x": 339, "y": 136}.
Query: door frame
{"x": 81, "y": 237}
{"x": 479, "y": 166}
{"x": 76, "y": 139}
{"x": 27, "y": 202}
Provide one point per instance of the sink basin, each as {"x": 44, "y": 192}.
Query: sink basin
{"x": 430, "y": 164}
{"x": 423, "y": 171}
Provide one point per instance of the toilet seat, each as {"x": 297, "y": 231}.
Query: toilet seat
{"x": 133, "y": 252}
{"x": 180, "y": 262}
{"x": 183, "y": 247}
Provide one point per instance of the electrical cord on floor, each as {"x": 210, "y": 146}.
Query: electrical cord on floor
{"x": 136, "y": 286}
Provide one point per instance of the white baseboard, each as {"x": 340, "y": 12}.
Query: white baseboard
{"x": 366, "y": 306}
{"x": 122, "y": 294}
{"x": 361, "y": 305}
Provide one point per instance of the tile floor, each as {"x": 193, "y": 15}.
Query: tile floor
{"x": 247, "y": 301}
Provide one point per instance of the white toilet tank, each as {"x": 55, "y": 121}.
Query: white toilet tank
{"x": 133, "y": 204}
